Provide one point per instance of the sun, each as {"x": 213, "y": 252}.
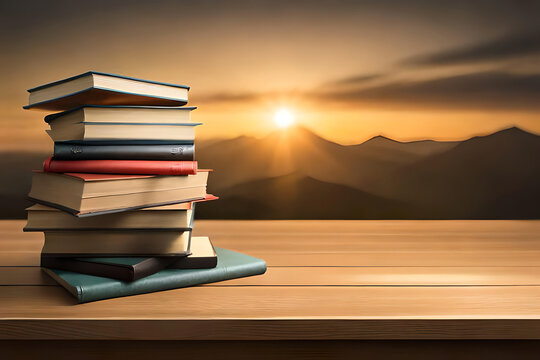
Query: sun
{"x": 283, "y": 118}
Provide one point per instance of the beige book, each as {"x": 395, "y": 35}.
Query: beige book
{"x": 85, "y": 194}
{"x": 118, "y": 243}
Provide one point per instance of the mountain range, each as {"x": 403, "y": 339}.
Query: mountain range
{"x": 296, "y": 174}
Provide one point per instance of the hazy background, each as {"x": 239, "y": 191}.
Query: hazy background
{"x": 463, "y": 73}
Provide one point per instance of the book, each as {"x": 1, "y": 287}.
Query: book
{"x": 117, "y": 243}
{"x": 151, "y": 167}
{"x": 167, "y": 217}
{"x": 86, "y": 288}
{"x": 123, "y": 114}
{"x": 95, "y": 194}
{"x": 97, "y": 88}
{"x": 103, "y": 150}
{"x": 202, "y": 256}
{"x": 122, "y": 131}
{"x": 120, "y": 268}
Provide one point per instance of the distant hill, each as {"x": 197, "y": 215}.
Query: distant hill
{"x": 299, "y": 150}
{"x": 298, "y": 174}
{"x": 494, "y": 176}
{"x": 295, "y": 196}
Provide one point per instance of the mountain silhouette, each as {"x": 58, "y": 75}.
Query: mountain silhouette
{"x": 296, "y": 173}
{"x": 299, "y": 150}
{"x": 295, "y": 196}
{"x": 494, "y": 176}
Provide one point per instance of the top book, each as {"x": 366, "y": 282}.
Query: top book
{"x": 96, "y": 88}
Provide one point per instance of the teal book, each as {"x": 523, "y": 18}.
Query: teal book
{"x": 86, "y": 288}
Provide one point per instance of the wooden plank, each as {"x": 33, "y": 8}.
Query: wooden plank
{"x": 367, "y": 226}
{"x": 372, "y": 258}
{"x": 329, "y": 244}
{"x": 276, "y": 313}
{"x": 308, "y": 302}
{"x": 377, "y": 227}
{"x": 342, "y": 276}
{"x": 19, "y": 258}
{"x": 270, "y": 302}
{"x": 270, "y": 329}
{"x": 264, "y": 349}
{"x": 19, "y": 276}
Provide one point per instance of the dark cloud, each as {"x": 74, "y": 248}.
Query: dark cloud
{"x": 357, "y": 80}
{"x": 500, "y": 49}
{"x": 229, "y": 98}
{"x": 486, "y": 90}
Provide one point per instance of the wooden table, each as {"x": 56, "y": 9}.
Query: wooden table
{"x": 403, "y": 288}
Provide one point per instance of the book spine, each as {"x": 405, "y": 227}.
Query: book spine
{"x": 169, "y": 152}
{"x": 152, "y": 167}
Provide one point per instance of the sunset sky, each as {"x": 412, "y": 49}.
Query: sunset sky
{"x": 348, "y": 70}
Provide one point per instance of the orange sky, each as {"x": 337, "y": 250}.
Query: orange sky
{"x": 348, "y": 70}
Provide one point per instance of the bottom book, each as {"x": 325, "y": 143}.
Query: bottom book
{"x": 86, "y": 288}
{"x": 202, "y": 256}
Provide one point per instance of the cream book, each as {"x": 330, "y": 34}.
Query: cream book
{"x": 96, "y": 131}
{"x": 97, "y": 88}
{"x": 122, "y": 114}
{"x": 118, "y": 243}
{"x": 95, "y": 194}
{"x": 167, "y": 217}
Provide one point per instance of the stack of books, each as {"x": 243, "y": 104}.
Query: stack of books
{"x": 116, "y": 201}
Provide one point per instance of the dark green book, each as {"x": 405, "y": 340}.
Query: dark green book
{"x": 86, "y": 288}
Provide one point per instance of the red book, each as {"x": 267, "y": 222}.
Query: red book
{"x": 143, "y": 167}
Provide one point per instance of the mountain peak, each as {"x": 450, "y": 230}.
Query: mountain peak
{"x": 380, "y": 139}
{"x": 512, "y": 130}
{"x": 298, "y": 133}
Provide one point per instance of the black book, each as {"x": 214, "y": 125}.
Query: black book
{"x": 121, "y": 268}
{"x": 107, "y": 150}
{"x": 203, "y": 256}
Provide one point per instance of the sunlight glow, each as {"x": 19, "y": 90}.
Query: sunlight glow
{"x": 283, "y": 118}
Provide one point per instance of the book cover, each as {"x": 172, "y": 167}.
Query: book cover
{"x": 120, "y": 268}
{"x": 86, "y": 288}
{"x": 95, "y": 194}
{"x": 121, "y": 109}
{"x": 147, "y": 167}
{"x": 107, "y": 150}
{"x": 98, "y": 88}
{"x": 161, "y": 218}
{"x": 203, "y": 256}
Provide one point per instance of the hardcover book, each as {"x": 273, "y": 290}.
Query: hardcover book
{"x": 167, "y": 217}
{"x": 96, "y": 243}
{"x": 120, "y": 268}
{"x": 122, "y": 150}
{"x": 145, "y": 167}
{"x": 93, "y": 194}
{"x": 202, "y": 256}
{"x": 123, "y": 114}
{"x": 85, "y": 288}
{"x": 97, "y": 88}
{"x": 96, "y": 131}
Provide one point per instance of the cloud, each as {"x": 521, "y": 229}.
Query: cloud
{"x": 357, "y": 80}
{"x": 511, "y": 46}
{"x": 230, "y": 98}
{"x": 486, "y": 90}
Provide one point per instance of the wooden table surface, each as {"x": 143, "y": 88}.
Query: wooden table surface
{"x": 342, "y": 280}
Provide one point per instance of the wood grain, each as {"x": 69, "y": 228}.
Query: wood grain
{"x": 331, "y": 280}
{"x": 343, "y": 276}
